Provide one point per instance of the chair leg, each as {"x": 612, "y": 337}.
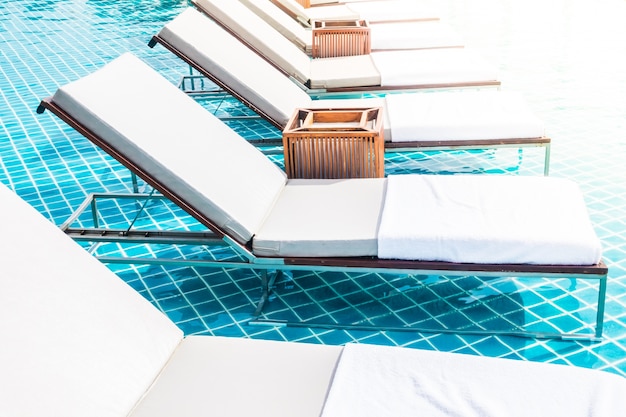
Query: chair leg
{"x": 601, "y": 303}
{"x": 546, "y": 162}
{"x": 268, "y": 278}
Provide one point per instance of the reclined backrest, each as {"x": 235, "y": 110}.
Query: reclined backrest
{"x": 235, "y": 65}
{"x": 295, "y": 9}
{"x": 280, "y": 21}
{"x": 205, "y": 166}
{"x": 259, "y": 35}
{"x": 77, "y": 340}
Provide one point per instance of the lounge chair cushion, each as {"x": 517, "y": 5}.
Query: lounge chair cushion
{"x": 235, "y": 65}
{"x": 374, "y": 381}
{"x": 260, "y": 35}
{"x": 323, "y": 218}
{"x": 432, "y": 66}
{"x": 411, "y": 35}
{"x": 77, "y": 341}
{"x": 493, "y": 219}
{"x": 395, "y": 10}
{"x": 174, "y": 151}
{"x": 464, "y": 115}
{"x": 347, "y": 71}
{"x": 226, "y": 376}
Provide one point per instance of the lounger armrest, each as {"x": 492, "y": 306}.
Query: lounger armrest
{"x": 340, "y": 38}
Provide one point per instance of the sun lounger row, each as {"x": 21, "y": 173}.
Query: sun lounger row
{"x": 373, "y": 11}
{"x": 377, "y": 71}
{"x": 382, "y": 36}
{"x": 81, "y": 342}
{"x": 391, "y": 224}
{"x": 443, "y": 120}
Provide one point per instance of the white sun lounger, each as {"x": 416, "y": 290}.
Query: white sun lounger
{"x": 384, "y": 36}
{"x": 223, "y": 181}
{"x": 377, "y": 71}
{"x": 440, "y": 120}
{"x": 81, "y": 342}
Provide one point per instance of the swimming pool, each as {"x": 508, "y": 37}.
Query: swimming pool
{"x": 560, "y": 54}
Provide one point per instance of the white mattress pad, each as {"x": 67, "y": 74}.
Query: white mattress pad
{"x": 323, "y": 217}
{"x": 493, "y": 219}
{"x": 413, "y": 34}
{"x": 394, "y": 10}
{"x": 432, "y": 66}
{"x": 410, "y": 382}
{"x": 464, "y": 115}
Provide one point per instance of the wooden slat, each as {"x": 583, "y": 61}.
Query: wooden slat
{"x": 324, "y": 143}
{"x": 340, "y": 38}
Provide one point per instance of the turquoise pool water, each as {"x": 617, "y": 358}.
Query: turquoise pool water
{"x": 565, "y": 56}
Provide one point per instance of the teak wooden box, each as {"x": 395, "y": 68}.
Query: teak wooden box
{"x": 340, "y": 38}
{"x": 335, "y": 143}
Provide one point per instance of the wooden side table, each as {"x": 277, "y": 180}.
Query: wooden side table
{"x": 335, "y": 143}
{"x": 340, "y": 38}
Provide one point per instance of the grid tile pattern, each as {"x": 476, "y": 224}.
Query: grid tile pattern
{"x": 552, "y": 51}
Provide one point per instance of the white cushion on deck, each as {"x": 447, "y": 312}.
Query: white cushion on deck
{"x": 323, "y": 218}
{"x": 432, "y": 66}
{"x": 410, "y": 35}
{"x": 375, "y": 381}
{"x": 193, "y": 153}
{"x": 464, "y": 115}
{"x": 76, "y": 340}
{"x": 487, "y": 219}
{"x": 394, "y": 10}
{"x": 345, "y": 71}
{"x": 227, "y": 376}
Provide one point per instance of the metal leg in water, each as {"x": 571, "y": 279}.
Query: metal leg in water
{"x": 268, "y": 278}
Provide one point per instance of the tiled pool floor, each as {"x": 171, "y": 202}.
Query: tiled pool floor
{"x": 565, "y": 56}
